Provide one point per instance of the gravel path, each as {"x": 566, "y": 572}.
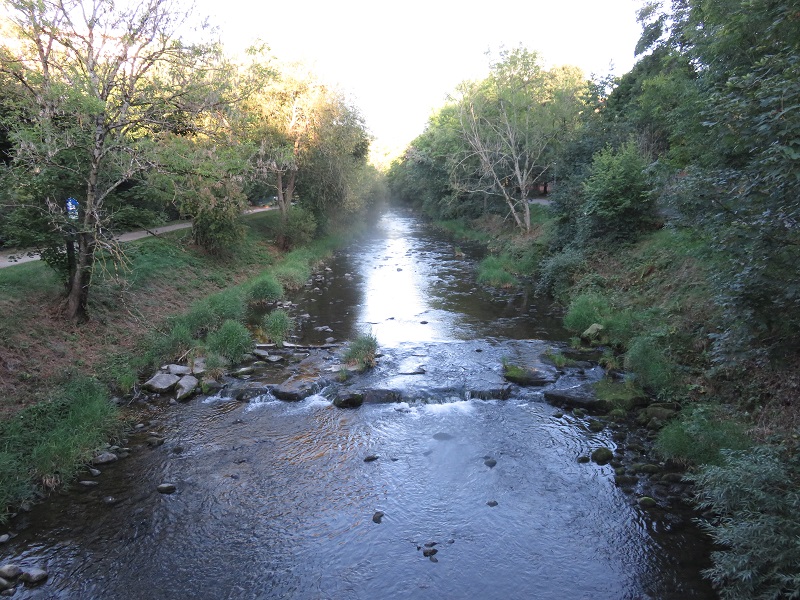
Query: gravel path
{"x": 5, "y": 256}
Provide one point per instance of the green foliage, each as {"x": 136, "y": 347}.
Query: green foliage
{"x": 362, "y": 351}
{"x": 618, "y": 204}
{"x": 277, "y": 325}
{"x": 52, "y": 439}
{"x": 298, "y": 228}
{"x": 700, "y": 435}
{"x": 128, "y": 218}
{"x": 585, "y": 310}
{"x": 232, "y": 341}
{"x": 651, "y": 366}
{"x": 755, "y": 495}
{"x": 557, "y": 271}
{"x": 264, "y": 288}
{"x": 496, "y": 271}
{"x": 623, "y": 395}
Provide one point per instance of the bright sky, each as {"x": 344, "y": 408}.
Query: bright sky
{"x": 399, "y": 60}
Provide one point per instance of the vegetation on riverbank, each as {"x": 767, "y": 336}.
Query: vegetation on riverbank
{"x": 171, "y": 299}
{"x": 672, "y": 232}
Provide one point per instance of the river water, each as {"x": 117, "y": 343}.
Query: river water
{"x": 275, "y": 499}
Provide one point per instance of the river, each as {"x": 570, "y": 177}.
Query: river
{"x": 275, "y": 499}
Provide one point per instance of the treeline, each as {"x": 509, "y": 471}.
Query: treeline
{"x": 110, "y": 120}
{"x": 675, "y": 224}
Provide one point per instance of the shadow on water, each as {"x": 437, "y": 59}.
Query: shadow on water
{"x": 275, "y": 499}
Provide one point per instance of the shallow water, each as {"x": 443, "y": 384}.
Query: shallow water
{"x": 275, "y": 500}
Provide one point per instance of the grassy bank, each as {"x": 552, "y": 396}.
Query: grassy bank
{"x": 169, "y": 299}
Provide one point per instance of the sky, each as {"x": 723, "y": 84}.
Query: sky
{"x": 399, "y": 61}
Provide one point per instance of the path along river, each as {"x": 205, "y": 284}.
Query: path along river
{"x": 275, "y": 500}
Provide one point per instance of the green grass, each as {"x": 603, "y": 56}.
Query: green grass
{"x": 277, "y": 325}
{"x": 231, "y": 341}
{"x": 496, "y": 271}
{"x": 46, "y": 444}
{"x": 28, "y": 278}
{"x": 362, "y": 351}
{"x": 265, "y": 288}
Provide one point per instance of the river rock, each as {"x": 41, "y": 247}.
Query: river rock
{"x": 376, "y": 518}
{"x": 429, "y": 551}
{"x": 531, "y": 376}
{"x": 104, "y": 458}
{"x": 178, "y": 369}
{"x": 602, "y": 456}
{"x": 492, "y": 503}
{"x": 490, "y": 462}
{"x": 161, "y": 383}
{"x": 4, "y": 538}
{"x": 382, "y": 396}
{"x": 88, "y": 483}
{"x": 33, "y": 575}
{"x": 579, "y": 396}
{"x": 10, "y": 571}
{"x": 348, "y": 399}
{"x": 371, "y": 458}
{"x": 646, "y": 502}
{"x": 295, "y": 389}
{"x": 5, "y": 585}
{"x": 593, "y": 333}
{"x": 166, "y": 488}
{"x": 487, "y": 389}
{"x": 199, "y": 365}
{"x": 186, "y": 387}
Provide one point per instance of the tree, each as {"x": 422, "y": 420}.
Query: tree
{"x": 512, "y": 122}
{"x": 97, "y": 80}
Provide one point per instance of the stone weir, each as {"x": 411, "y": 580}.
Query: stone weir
{"x": 426, "y": 372}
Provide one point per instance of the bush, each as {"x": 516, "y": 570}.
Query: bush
{"x": 557, "y": 271}
{"x": 277, "y": 325}
{"x": 264, "y": 289}
{"x": 618, "y": 203}
{"x": 232, "y": 341}
{"x": 700, "y": 435}
{"x": 362, "y": 351}
{"x": 755, "y": 495}
{"x": 128, "y": 218}
{"x": 651, "y": 366}
{"x": 298, "y": 229}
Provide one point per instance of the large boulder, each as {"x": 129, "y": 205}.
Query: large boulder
{"x": 161, "y": 383}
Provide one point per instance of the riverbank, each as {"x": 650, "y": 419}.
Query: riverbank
{"x": 58, "y": 376}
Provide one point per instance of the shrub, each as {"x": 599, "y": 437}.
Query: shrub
{"x": 557, "y": 271}
{"x": 292, "y": 274}
{"x": 362, "y": 351}
{"x": 700, "y": 435}
{"x": 277, "y": 325}
{"x": 618, "y": 203}
{"x": 264, "y": 289}
{"x": 755, "y": 495}
{"x": 232, "y": 341}
{"x": 298, "y": 229}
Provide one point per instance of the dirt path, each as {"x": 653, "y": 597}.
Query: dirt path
{"x": 21, "y": 257}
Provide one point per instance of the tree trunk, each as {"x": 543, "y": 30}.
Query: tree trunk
{"x": 78, "y": 296}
